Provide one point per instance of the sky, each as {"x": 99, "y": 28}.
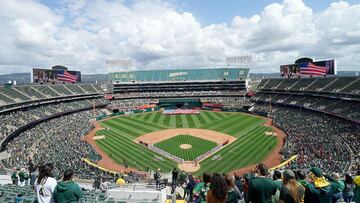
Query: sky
{"x": 163, "y": 34}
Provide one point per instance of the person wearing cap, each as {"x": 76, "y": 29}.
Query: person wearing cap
{"x": 337, "y": 186}
{"x": 301, "y": 178}
{"x": 319, "y": 190}
{"x": 357, "y": 189}
{"x": 261, "y": 188}
{"x": 291, "y": 191}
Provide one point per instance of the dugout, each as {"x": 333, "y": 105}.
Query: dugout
{"x": 179, "y": 103}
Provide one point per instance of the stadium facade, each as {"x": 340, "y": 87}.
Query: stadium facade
{"x": 180, "y": 75}
{"x": 224, "y": 85}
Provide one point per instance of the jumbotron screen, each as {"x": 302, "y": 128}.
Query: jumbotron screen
{"x": 316, "y": 68}
{"x": 55, "y": 76}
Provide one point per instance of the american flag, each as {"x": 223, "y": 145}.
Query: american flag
{"x": 65, "y": 76}
{"x": 312, "y": 69}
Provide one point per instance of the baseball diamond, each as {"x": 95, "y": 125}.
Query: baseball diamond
{"x": 251, "y": 145}
{"x": 198, "y": 146}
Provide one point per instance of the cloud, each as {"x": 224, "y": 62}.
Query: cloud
{"x": 157, "y": 34}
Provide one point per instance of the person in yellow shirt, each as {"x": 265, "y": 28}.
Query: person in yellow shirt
{"x": 120, "y": 181}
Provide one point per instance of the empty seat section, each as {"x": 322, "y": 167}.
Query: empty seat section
{"x": 75, "y": 89}
{"x": 353, "y": 88}
{"x": 29, "y": 91}
{"x": 319, "y": 83}
{"x": 14, "y": 94}
{"x": 61, "y": 89}
{"x": 272, "y": 83}
{"x": 6, "y": 99}
{"x": 339, "y": 84}
{"x": 286, "y": 83}
{"x": 89, "y": 88}
{"x": 97, "y": 87}
{"x": 303, "y": 82}
{"x": 46, "y": 90}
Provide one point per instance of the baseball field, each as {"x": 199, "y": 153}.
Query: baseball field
{"x": 250, "y": 145}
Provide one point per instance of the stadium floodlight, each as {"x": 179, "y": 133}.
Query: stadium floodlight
{"x": 244, "y": 59}
{"x": 238, "y": 59}
{"x": 118, "y": 63}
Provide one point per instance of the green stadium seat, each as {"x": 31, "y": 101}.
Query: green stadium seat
{"x": 75, "y": 89}
{"x": 61, "y": 89}
{"x": 29, "y": 199}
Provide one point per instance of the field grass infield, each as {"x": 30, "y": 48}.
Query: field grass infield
{"x": 250, "y": 147}
{"x": 198, "y": 146}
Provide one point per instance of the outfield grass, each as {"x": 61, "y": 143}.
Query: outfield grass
{"x": 199, "y": 146}
{"x": 251, "y": 146}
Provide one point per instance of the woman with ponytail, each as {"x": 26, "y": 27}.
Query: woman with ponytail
{"x": 291, "y": 191}
{"x": 45, "y": 185}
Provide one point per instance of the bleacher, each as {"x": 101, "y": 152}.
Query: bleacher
{"x": 90, "y": 88}
{"x": 319, "y": 83}
{"x": 9, "y": 192}
{"x": 75, "y": 89}
{"x": 301, "y": 83}
{"x": 339, "y": 83}
{"x": 17, "y": 94}
{"x": 286, "y": 84}
{"x": 46, "y": 90}
{"x": 262, "y": 83}
{"x": 97, "y": 88}
{"x": 29, "y": 91}
{"x": 61, "y": 89}
{"x": 14, "y": 94}
{"x": 336, "y": 95}
{"x": 6, "y": 100}
{"x": 353, "y": 88}
{"x": 272, "y": 83}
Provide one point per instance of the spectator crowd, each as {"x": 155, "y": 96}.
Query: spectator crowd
{"x": 12, "y": 120}
{"x": 319, "y": 139}
{"x": 60, "y": 141}
{"x": 261, "y": 186}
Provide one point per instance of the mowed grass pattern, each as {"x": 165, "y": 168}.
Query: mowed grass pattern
{"x": 199, "y": 146}
{"x": 251, "y": 146}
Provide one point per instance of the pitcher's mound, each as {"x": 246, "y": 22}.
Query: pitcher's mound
{"x": 185, "y": 146}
